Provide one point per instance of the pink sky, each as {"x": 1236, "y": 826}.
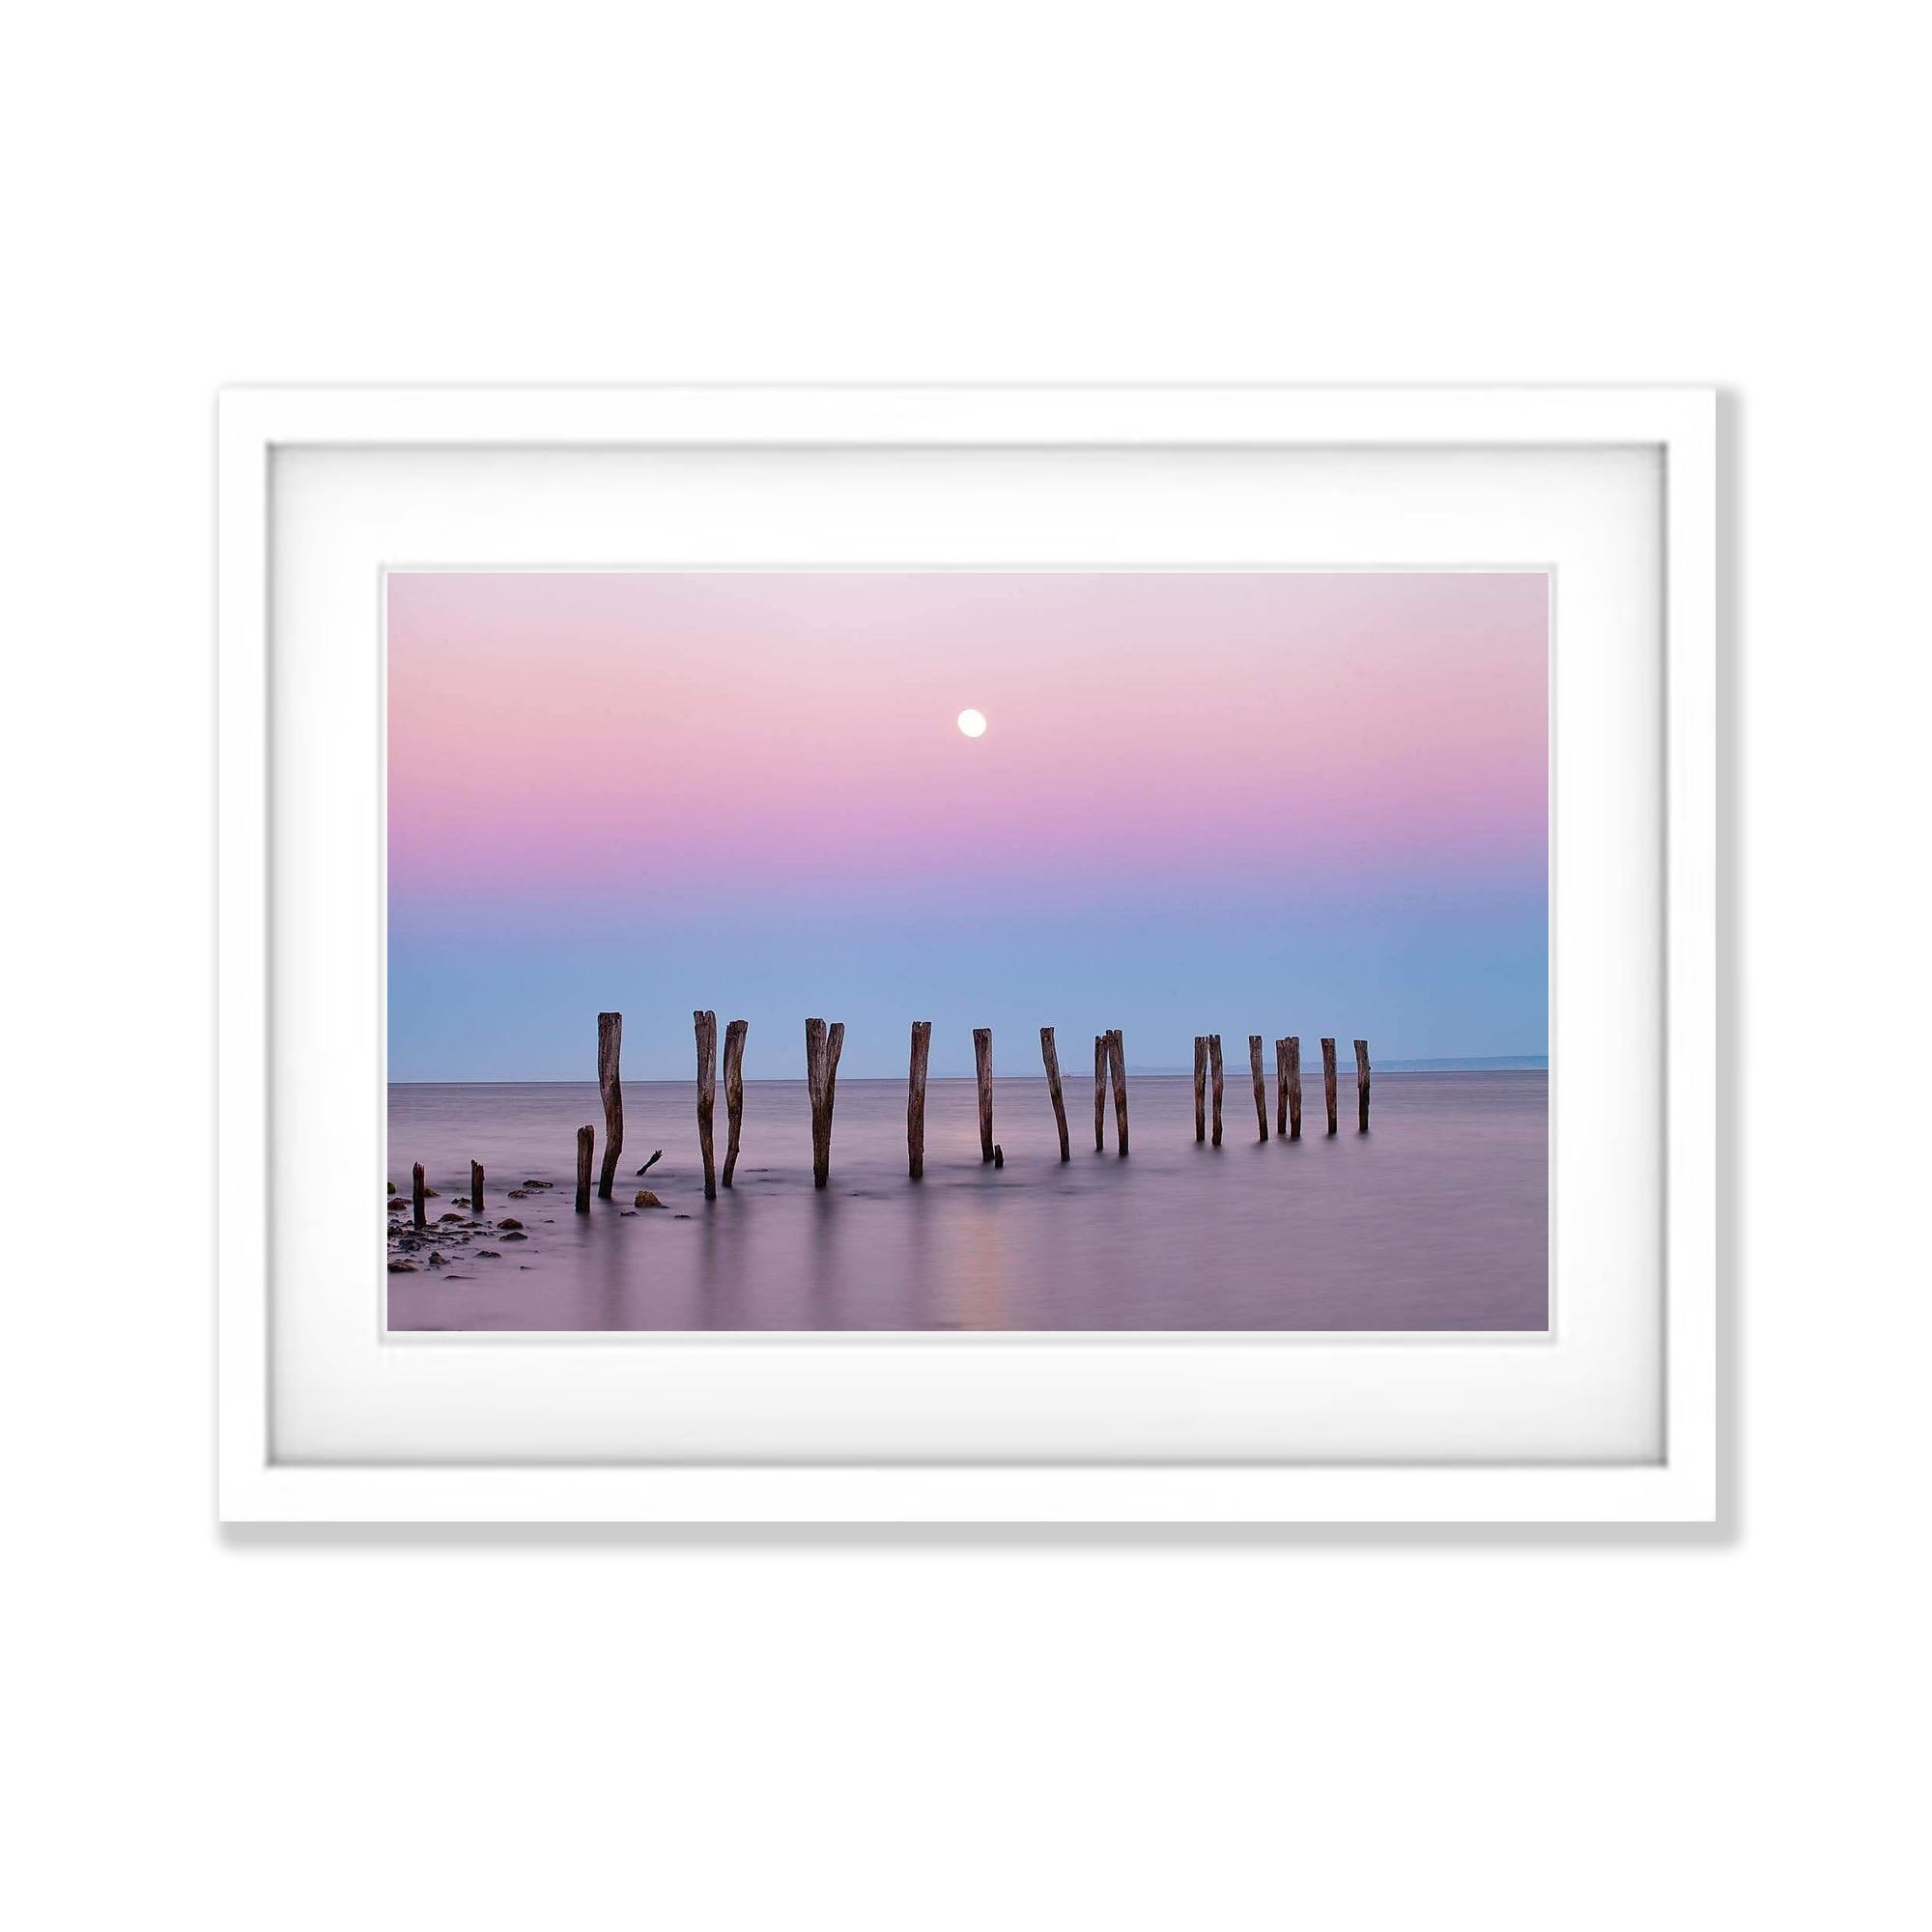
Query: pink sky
{"x": 561, "y": 737}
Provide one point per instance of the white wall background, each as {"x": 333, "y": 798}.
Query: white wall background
{"x": 423, "y": 1730}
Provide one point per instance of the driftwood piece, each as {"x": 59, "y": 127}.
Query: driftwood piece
{"x": 1294, "y": 1086}
{"x": 922, "y": 1048}
{"x": 1328, "y": 1079}
{"x": 1362, "y": 1084}
{"x": 586, "y": 1147}
{"x": 610, "y": 1041}
{"x": 416, "y": 1196}
{"x": 475, "y": 1187}
{"x": 652, "y": 1163}
{"x": 1200, "y": 1086}
{"x": 1116, "y": 1056}
{"x": 704, "y": 1024}
{"x": 823, "y": 1045}
{"x": 734, "y": 1092}
{"x": 1099, "y": 1091}
{"x": 982, "y": 1073}
{"x": 1050, "y": 1054}
{"x": 1214, "y": 1076}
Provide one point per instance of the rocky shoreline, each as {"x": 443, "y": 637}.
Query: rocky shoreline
{"x": 457, "y": 1234}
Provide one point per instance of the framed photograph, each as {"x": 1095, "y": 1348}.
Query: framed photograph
{"x": 968, "y": 954}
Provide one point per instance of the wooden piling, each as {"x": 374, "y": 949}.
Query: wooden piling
{"x": 609, "y": 1040}
{"x": 1050, "y": 1054}
{"x": 1294, "y": 1086}
{"x": 1117, "y": 1056}
{"x": 734, "y": 1092}
{"x": 834, "y": 1045}
{"x": 1200, "y": 1086}
{"x": 586, "y": 1145}
{"x": 416, "y": 1213}
{"x": 823, "y": 1045}
{"x": 921, "y": 1047}
{"x": 1281, "y": 1089}
{"x": 1328, "y": 1079}
{"x": 475, "y": 1187}
{"x": 1362, "y": 1084}
{"x": 1261, "y": 1082}
{"x": 983, "y": 1068}
{"x": 704, "y": 1024}
{"x": 1214, "y": 1080}
{"x": 1099, "y": 1093}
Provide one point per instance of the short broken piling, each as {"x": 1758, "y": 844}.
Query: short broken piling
{"x": 1050, "y": 1054}
{"x": 609, "y": 1039}
{"x": 416, "y": 1196}
{"x": 1116, "y": 1056}
{"x": 1099, "y": 1093}
{"x": 704, "y": 1024}
{"x": 475, "y": 1187}
{"x": 1200, "y": 1086}
{"x": 982, "y": 1069}
{"x": 734, "y": 1092}
{"x": 1214, "y": 1078}
{"x": 921, "y": 1047}
{"x": 586, "y": 1145}
{"x": 1362, "y": 1084}
{"x": 1328, "y": 1079}
{"x": 1261, "y": 1082}
{"x": 823, "y": 1045}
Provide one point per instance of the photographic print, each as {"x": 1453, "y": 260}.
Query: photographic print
{"x": 968, "y": 950}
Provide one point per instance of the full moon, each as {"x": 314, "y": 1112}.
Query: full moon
{"x": 972, "y": 723}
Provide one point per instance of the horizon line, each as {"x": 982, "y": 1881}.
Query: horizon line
{"x": 1493, "y": 1062}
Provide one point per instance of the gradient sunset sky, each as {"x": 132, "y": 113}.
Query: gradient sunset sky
{"x": 1206, "y": 802}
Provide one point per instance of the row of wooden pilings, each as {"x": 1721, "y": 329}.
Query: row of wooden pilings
{"x": 824, "y": 1043}
{"x": 1207, "y": 1072}
{"x": 823, "y": 1046}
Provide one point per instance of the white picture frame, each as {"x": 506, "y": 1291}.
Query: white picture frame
{"x": 386, "y": 1478}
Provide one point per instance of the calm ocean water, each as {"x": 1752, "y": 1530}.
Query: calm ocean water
{"x": 1437, "y": 1218}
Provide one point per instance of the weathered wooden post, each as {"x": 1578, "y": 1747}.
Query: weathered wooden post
{"x": 609, "y": 1039}
{"x": 1050, "y": 1053}
{"x": 1200, "y": 1086}
{"x": 1362, "y": 1084}
{"x": 734, "y": 1092}
{"x": 1117, "y": 1056}
{"x": 705, "y": 1026}
{"x": 1099, "y": 1091}
{"x": 1328, "y": 1079}
{"x": 921, "y": 1047}
{"x": 823, "y": 1045}
{"x": 1294, "y": 1086}
{"x": 1214, "y": 1079}
{"x": 1261, "y": 1082}
{"x": 475, "y": 1187}
{"x": 586, "y": 1145}
{"x": 417, "y": 1197}
{"x": 1281, "y": 1089}
{"x": 983, "y": 1068}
